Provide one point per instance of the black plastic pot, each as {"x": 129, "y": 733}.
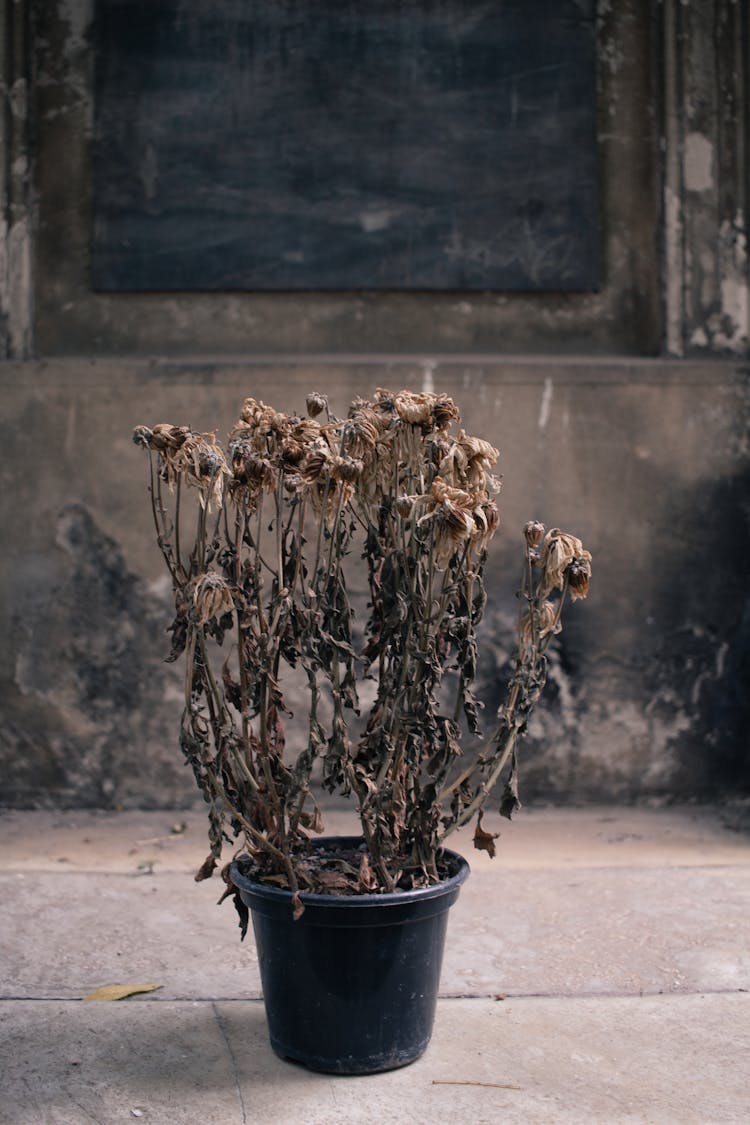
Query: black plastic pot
{"x": 351, "y": 987}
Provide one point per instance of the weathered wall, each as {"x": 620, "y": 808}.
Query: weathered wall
{"x": 648, "y": 461}
{"x": 646, "y": 458}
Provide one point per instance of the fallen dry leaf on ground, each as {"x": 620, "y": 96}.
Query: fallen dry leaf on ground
{"x": 120, "y": 991}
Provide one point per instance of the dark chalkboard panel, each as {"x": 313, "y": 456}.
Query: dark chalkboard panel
{"x": 345, "y": 144}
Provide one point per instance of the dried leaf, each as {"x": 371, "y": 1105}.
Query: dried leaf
{"x": 509, "y": 802}
{"x": 484, "y": 841}
{"x": 243, "y": 914}
{"x": 333, "y": 882}
{"x": 367, "y": 880}
{"x": 206, "y": 869}
{"x": 120, "y": 991}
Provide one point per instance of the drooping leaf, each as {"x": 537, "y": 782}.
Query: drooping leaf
{"x": 509, "y": 802}
{"x": 206, "y": 869}
{"x": 243, "y": 914}
{"x": 484, "y": 841}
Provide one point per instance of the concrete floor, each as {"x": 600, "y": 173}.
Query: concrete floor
{"x": 596, "y": 971}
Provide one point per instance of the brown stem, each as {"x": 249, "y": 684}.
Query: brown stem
{"x": 487, "y": 786}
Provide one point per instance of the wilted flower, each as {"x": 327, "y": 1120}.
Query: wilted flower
{"x": 480, "y": 458}
{"x": 545, "y": 623}
{"x": 421, "y": 408}
{"x": 306, "y": 431}
{"x": 292, "y": 453}
{"x": 252, "y": 470}
{"x": 182, "y": 453}
{"x": 252, "y": 411}
{"x": 404, "y": 506}
{"x": 443, "y": 493}
{"x": 165, "y": 438}
{"x": 416, "y": 409}
{"x": 316, "y": 466}
{"x": 211, "y": 597}
{"x": 533, "y": 533}
{"x": 143, "y": 436}
{"x": 466, "y": 463}
{"x": 203, "y": 464}
{"x": 453, "y": 465}
{"x": 362, "y": 429}
{"x": 559, "y": 550}
{"x": 316, "y": 404}
{"x": 451, "y": 515}
{"x": 346, "y": 469}
{"x": 268, "y": 425}
{"x": 444, "y": 411}
{"x": 486, "y": 522}
{"x": 579, "y": 576}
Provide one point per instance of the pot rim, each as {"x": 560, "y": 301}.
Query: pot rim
{"x": 386, "y": 899}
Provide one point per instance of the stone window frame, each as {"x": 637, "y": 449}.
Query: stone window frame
{"x": 673, "y": 144}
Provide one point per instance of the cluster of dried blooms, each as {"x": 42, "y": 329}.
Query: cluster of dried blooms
{"x": 260, "y": 588}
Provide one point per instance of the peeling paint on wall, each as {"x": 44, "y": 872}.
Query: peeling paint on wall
{"x": 674, "y": 300}
{"x": 699, "y": 154}
{"x": 15, "y": 295}
{"x": 15, "y": 222}
{"x": 546, "y": 404}
{"x": 735, "y": 284}
{"x": 727, "y": 328}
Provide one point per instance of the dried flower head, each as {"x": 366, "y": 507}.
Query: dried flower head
{"x": 253, "y": 471}
{"x": 431, "y": 411}
{"x": 486, "y": 522}
{"x": 466, "y": 463}
{"x": 544, "y": 623}
{"x": 269, "y": 427}
{"x": 559, "y": 550}
{"x": 361, "y": 431}
{"x": 579, "y": 576}
{"x": 404, "y": 506}
{"x": 143, "y": 436}
{"x": 317, "y": 463}
{"x": 316, "y": 404}
{"x": 480, "y": 457}
{"x": 416, "y": 409}
{"x": 346, "y": 469}
{"x": 533, "y": 533}
{"x": 292, "y": 452}
{"x": 202, "y": 462}
{"x": 306, "y": 431}
{"x": 444, "y": 411}
{"x": 166, "y": 438}
{"x": 211, "y": 597}
{"x": 451, "y": 515}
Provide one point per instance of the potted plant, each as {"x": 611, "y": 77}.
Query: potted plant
{"x": 262, "y": 544}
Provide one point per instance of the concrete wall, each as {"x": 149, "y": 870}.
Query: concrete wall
{"x": 601, "y": 430}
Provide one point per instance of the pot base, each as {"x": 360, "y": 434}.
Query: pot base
{"x": 351, "y": 1065}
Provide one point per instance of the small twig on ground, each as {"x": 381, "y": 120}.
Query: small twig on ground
{"x": 465, "y": 1082}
